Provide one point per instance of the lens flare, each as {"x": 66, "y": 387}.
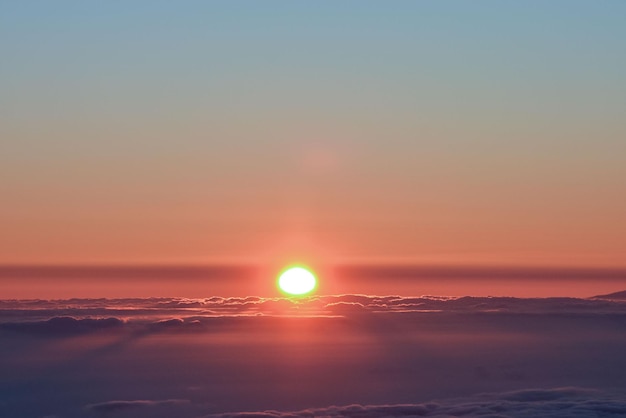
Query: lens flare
{"x": 297, "y": 281}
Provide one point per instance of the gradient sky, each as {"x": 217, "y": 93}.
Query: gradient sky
{"x": 441, "y": 131}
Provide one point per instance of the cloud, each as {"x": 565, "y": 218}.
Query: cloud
{"x": 224, "y": 306}
{"x": 113, "y": 406}
{"x": 567, "y": 402}
{"x": 407, "y": 272}
{"x": 136, "y": 272}
{"x": 617, "y": 296}
{"x": 539, "y": 395}
{"x": 346, "y": 308}
{"x": 76, "y": 316}
{"x": 382, "y": 354}
{"x": 167, "y": 323}
{"x": 64, "y": 325}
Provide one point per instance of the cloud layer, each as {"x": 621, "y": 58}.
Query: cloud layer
{"x": 139, "y": 308}
{"x": 529, "y": 403}
{"x": 379, "y": 355}
{"x": 80, "y": 316}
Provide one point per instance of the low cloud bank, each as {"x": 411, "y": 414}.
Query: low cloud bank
{"x": 76, "y": 316}
{"x": 314, "y": 305}
{"x": 64, "y": 325}
{"x": 567, "y": 402}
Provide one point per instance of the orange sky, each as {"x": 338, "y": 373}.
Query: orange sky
{"x": 313, "y": 132}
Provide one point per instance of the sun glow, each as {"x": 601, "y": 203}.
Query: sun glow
{"x": 297, "y": 281}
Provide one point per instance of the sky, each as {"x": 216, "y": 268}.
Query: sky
{"x": 443, "y": 132}
{"x": 453, "y": 172}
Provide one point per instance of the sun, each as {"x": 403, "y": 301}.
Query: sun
{"x": 297, "y": 281}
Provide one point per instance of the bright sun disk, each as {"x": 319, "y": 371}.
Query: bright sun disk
{"x": 297, "y": 281}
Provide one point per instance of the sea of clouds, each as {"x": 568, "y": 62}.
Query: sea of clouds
{"x": 530, "y": 403}
{"x": 367, "y": 356}
{"x": 83, "y": 314}
{"x": 568, "y": 402}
